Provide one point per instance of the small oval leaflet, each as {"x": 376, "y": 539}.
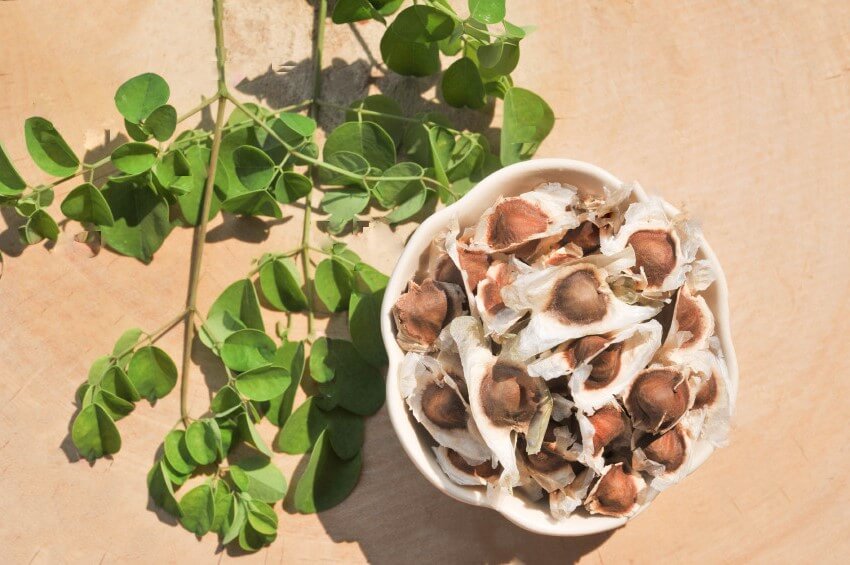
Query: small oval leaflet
{"x": 94, "y": 433}
{"x": 328, "y": 480}
{"x": 259, "y": 477}
{"x": 198, "y": 509}
{"x": 138, "y": 97}
{"x": 86, "y": 204}
{"x": 281, "y": 282}
{"x": 48, "y": 148}
{"x": 152, "y": 372}
{"x": 203, "y": 441}
{"x": 263, "y": 383}
{"x": 247, "y": 349}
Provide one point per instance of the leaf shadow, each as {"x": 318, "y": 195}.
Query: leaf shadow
{"x": 247, "y": 229}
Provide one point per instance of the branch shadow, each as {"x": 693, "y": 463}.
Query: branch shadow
{"x": 247, "y": 229}
{"x": 395, "y": 511}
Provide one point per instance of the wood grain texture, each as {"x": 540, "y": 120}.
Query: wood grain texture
{"x": 737, "y": 111}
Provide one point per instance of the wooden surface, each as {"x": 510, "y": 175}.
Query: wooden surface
{"x": 740, "y": 111}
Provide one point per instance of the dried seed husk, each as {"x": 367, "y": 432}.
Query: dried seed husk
{"x": 567, "y": 303}
{"x": 497, "y": 318}
{"x": 664, "y": 247}
{"x": 514, "y": 221}
{"x": 436, "y": 403}
{"x": 668, "y": 457}
{"x": 463, "y": 471}
{"x": 607, "y": 426}
{"x": 563, "y": 502}
{"x": 619, "y": 492}
{"x": 422, "y": 312}
{"x": 692, "y": 325}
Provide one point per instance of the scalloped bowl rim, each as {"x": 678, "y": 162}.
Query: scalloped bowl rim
{"x": 530, "y": 516}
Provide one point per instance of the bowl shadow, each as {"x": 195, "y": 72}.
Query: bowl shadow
{"x": 395, "y": 515}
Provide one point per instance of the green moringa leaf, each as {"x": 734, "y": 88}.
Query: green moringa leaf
{"x": 498, "y": 59}
{"x": 383, "y": 105}
{"x": 487, "y": 11}
{"x": 307, "y": 423}
{"x": 94, "y": 433}
{"x": 262, "y": 518}
{"x": 197, "y": 509}
{"x": 351, "y": 168}
{"x": 48, "y": 149}
{"x": 86, "y": 204}
{"x": 41, "y": 225}
{"x": 298, "y": 124}
{"x": 225, "y": 401}
{"x": 11, "y": 183}
{"x": 408, "y": 208}
{"x": 364, "y": 316}
{"x": 290, "y": 355}
{"x": 236, "y": 520}
{"x": 141, "y": 220}
{"x": 253, "y": 203}
{"x": 291, "y": 186}
{"x": 343, "y": 206}
{"x": 280, "y": 283}
{"x": 235, "y": 309}
{"x": 356, "y": 385}
{"x": 409, "y": 46}
{"x": 249, "y": 434}
{"x": 350, "y": 11}
{"x": 258, "y": 476}
{"x": 333, "y": 280}
{"x": 122, "y": 351}
{"x": 174, "y": 173}
{"x": 391, "y": 193}
{"x": 116, "y": 381}
{"x": 322, "y": 362}
{"x": 115, "y": 406}
{"x": 98, "y": 369}
{"x": 134, "y": 158}
{"x": 203, "y": 440}
{"x": 137, "y": 98}
{"x": 162, "y": 122}
{"x": 328, "y": 479}
{"x": 253, "y": 167}
{"x": 177, "y": 453}
{"x": 263, "y": 383}
{"x": 137, "y": 132}
{"x": 223, "y": 502}
{"x": 152, "y": 372}
{"x": 366, "y": 139}
{"x": 247, "y": 349}
{"x": 528, "y": 120}
{"x": 160, "y": 489}
{"x": 462, "y": 85}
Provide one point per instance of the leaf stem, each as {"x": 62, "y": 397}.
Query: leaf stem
{"x": 318, "y": 48}
{"x": 199, "y": 236}
{"x": 204, "y": 103}
{"x": 153, "y": 336}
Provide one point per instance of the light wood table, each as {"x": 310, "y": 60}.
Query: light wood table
{"x": 739, "y": 111}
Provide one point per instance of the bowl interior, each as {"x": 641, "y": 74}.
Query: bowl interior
{"x": 511, "y": 181}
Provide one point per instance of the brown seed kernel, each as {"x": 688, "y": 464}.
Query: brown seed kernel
{"x": 690, "y": 318}
{"x": 545, "y": 461}
{"x": 576, "y": 299}
{"x": 509, "y": 395}
{"x": 655, "y": 252}
{"x": 608, "y": 425}
{"x": 475, "y": 264}
{"x": 707, "y": 393}
{"x": 667, "y": 449}
{"x": 445, "y": 270}
{"x": 560, "y": 385}
{"x": 616, "y": 493}
{"x": 658, "y": 399}
{"x": 484, "y": 470}
{"x": 586, "y": 236}
{"x": 514, "y": 221}
{"x": 605, "y": 367}
{"x": 490, "y": 288}
{"x": 443, "y": 407}
{"x": 420, "y": 313}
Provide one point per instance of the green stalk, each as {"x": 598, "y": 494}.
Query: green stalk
{"x": 318, "y": 48}
{"x": 200, "y": 233}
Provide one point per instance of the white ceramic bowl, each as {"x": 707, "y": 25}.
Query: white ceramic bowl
{"x": 511, "y": 181}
